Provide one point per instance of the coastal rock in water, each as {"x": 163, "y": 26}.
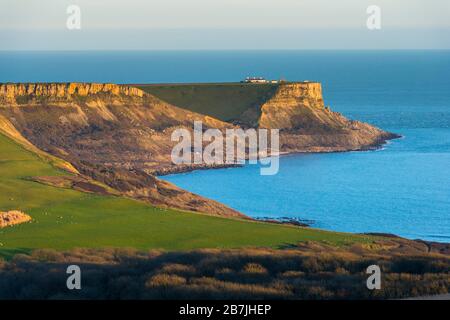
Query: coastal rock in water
{"x": 10, "y": 218}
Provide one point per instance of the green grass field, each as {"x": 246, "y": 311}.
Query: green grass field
{"x": 64, "y": 218}
{"x": 224, "y": 101}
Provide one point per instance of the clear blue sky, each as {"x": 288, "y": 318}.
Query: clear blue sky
{"x": 223, "y": 24}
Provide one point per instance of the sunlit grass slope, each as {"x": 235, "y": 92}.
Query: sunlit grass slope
{"x": 64, "y": 218}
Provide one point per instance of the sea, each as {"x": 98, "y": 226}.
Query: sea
{"x": 402, "y": 188}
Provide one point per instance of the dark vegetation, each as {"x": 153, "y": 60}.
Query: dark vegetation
{"x": 309, "y": 271}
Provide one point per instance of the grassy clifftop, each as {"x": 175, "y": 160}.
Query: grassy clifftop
{"x": 224, "y": 101}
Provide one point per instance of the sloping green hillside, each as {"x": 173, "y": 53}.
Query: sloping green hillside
{"x": 224, "y": 101}
{"x": 64, "y": 218}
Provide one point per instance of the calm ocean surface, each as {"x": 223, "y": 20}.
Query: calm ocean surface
{"x": 402, "y": 189}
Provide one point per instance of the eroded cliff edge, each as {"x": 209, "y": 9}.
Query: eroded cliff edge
{"x": 121, "y": 136}
{"x": 13, "y": 92}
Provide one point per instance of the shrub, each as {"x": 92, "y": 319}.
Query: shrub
{"x": 254, "y": 268}
{"x": 165, "y": 280}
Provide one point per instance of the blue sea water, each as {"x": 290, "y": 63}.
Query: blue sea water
{"x": 402, "y": 189}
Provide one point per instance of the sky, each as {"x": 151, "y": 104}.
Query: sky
{"x": 223, "y": 24}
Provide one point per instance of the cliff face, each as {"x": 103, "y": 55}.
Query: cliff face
{"x": 289, "y": 92}
{"x": 11, "y": 92}
{"x": 292, "y": 106}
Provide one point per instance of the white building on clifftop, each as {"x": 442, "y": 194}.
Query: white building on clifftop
{"x": 258, "y": 80}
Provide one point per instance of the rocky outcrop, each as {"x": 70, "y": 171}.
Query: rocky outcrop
{"x": 10, "y": 218}
{"x": 307, "y": 125}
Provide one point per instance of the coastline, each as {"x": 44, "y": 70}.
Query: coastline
{"x": 357, "y": 137}
{"x": 191, "y": 168}
{"x": 298, "y": 222}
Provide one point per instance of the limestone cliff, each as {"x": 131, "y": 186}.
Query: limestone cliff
{"x": 12, "y": 93}
{"x": 292, "y": 106}
{"x": 306, "y": 125}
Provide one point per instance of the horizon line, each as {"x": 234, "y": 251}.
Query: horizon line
{"x": 218, "y": 50}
